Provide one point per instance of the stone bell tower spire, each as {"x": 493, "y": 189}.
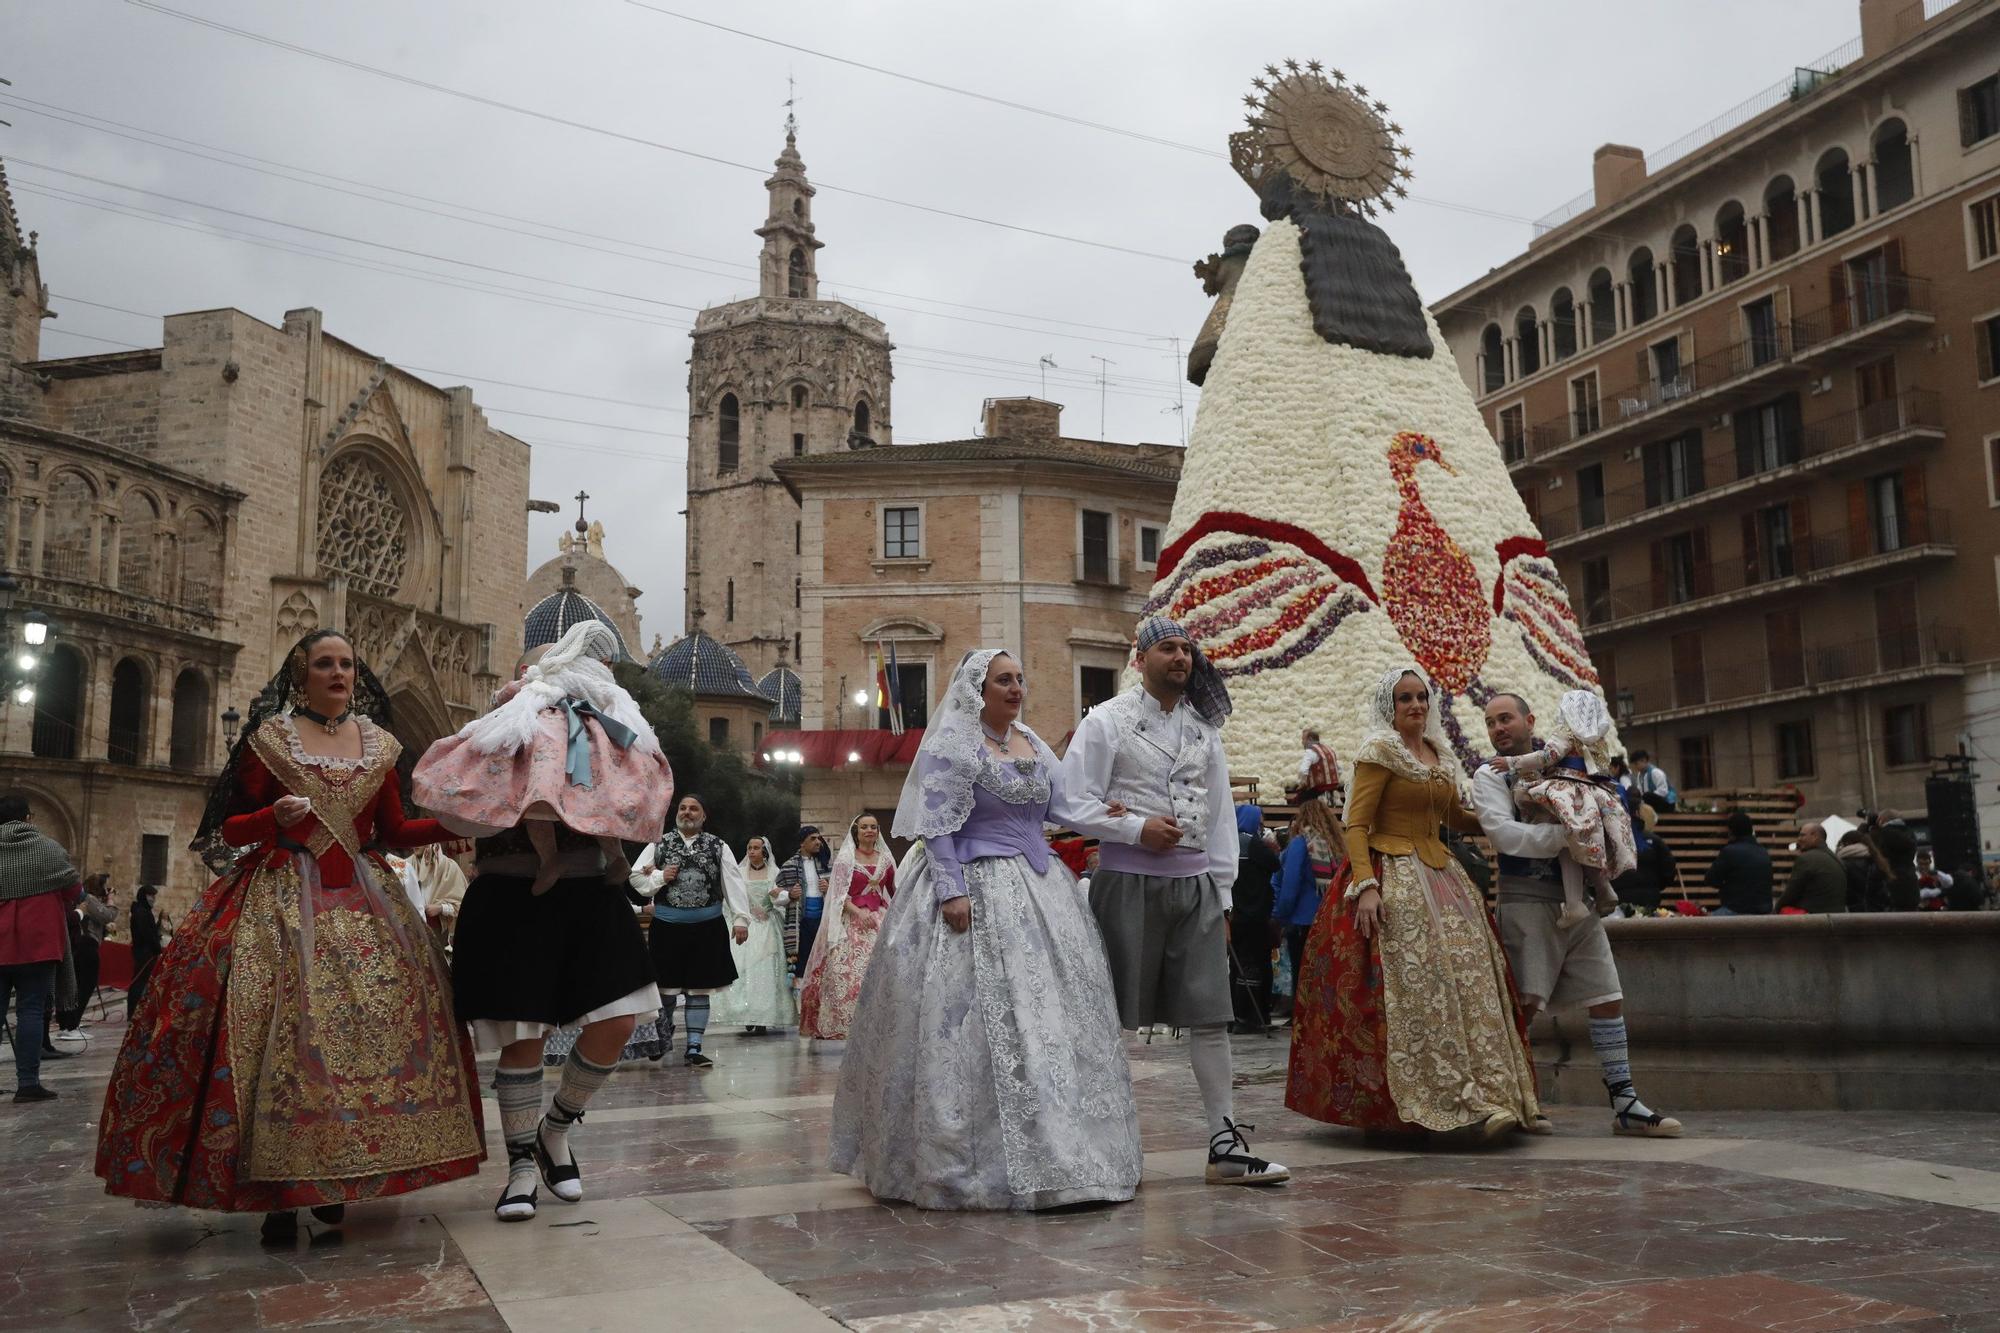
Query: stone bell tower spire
{"x": 788, "y": 266}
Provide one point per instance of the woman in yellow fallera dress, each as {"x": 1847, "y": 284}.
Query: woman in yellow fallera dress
{"x": 1405, "y": 1017}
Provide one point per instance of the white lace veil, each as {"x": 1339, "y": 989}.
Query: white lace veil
{"x": 937, "y": 795}
{"x": 1382, "y": 733}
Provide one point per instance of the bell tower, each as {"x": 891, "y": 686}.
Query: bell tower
{"x": 781, "y": 374}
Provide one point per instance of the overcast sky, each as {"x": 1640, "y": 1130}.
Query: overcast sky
{"x": 1502, "y": 105}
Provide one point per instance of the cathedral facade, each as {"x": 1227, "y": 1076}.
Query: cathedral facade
{"x": 781, "y": 375}
{"x": 185, "y": 512}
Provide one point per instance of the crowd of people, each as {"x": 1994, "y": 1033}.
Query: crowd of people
{"x": 981, "y": 984}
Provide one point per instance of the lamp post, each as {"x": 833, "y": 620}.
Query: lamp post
{"x": 1627, "y": 706}
{"x": 21, "y": 669}
{"x": 231, "y": 720}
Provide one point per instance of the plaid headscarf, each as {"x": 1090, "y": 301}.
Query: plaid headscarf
{"x": 1205, "y": 689}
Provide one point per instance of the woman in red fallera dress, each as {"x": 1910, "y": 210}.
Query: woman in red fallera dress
{"x": 296, "y": 1046}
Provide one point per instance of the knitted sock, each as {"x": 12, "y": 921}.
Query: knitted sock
{"x": 1607, "y": 1038}
{"x": 519, "y": 1092}
{"x": 580, "y": 1081}
{"x": 1208, "y": 1051}
{"x": 697, "y": 1020}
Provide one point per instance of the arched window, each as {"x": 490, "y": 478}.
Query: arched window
{"x": 862, "y": 419}
{"x": 59, "y": 704}
{"x": 1603, "y": 307}
{"x": 1684, "y": 263}
{"x": 797, "y": 285}
{"x": 1562, "y": 323}
{"x": 1835, "y": 183}
{"x": 201, "y": 560}
{"x": 798, "y": 208}
{"x": 1641, "y": 291}
{"x": 1781, "y": 220}
{"x": 67, "y": 540}
{"x": 1895, "y": 179}
{"x": 729, "y": 601}
{"x": 1527, "y": 341}
{"x": 729, "y": 431}
{"x": 128, "y": 713}
{"x": 798, "y": 395}
{"x": 1493, "y": 350}
{"x": 190, "y": 732}
{"x": 138, "y": 544}
{"x": 1732, "y": 244}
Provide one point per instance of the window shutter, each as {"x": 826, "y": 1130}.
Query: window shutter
{"x": 1915, "y": 510}
{"x": 1989, "y": 355}
{"x": 1836, "y": 297}
{"x": 1659, "y": 573}
{"x": 1802, "y": 560}
{"x": 1644, "y": 370}
{"x": 1892, "y": 256}
{"x": 1965, "y": 120}
{"x": 1751, "y": 565}
{"x": 1858, "y": 543}
{"x": 1704, "y": 572}
{"x": 1745, "y": 421}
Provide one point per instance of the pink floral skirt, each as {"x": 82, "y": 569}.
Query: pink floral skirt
{"x": 475, "y": 794}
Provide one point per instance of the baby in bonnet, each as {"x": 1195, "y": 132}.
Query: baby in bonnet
{"x": 1557, "y": 777}
{"x": 563, "y": 744}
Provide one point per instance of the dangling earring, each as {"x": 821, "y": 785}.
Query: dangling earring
{"x": 295, "y": 698}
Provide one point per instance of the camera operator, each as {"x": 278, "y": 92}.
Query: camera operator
{"x": 1892, "y": 883}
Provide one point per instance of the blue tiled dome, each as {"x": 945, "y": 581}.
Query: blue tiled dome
{"x": 554, "y": 616}
{"x": 706, "y": 667}
{"x": 783, "y": 684}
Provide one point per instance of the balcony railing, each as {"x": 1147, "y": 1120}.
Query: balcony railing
{"x": 1912, "y": 409}
{"x": 53, "y": 737}
{"x": 1810, "y": 666}
{"x": 1823, "y": 556}
{"x": 1871, "y": 303}
{"x": 124, "y": 746}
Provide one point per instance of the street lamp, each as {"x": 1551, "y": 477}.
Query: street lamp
{"x": 231, "y": 719}
{"x": 18, "y": 677}
{"x": 1627, "y": 706}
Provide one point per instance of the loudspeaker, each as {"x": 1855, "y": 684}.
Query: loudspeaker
{"x": 1954, "y": 820}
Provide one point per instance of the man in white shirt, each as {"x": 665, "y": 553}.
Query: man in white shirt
{"x": 694, "y": 882}
{"x": 1161, "y": 894}
{"x": 1553, "y": 966}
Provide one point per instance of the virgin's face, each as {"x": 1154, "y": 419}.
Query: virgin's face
{"x": 866, "y": 832}
{"x": 329, "y": 675}
{"x": 1006, "y": 689}
{"x": 1413, "y": 705}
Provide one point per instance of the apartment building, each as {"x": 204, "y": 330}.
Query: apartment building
{"x": 1751, "y": 392}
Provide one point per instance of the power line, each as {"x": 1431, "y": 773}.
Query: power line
{"x": 301, "y": 176}
{"x": 552, "y": 119}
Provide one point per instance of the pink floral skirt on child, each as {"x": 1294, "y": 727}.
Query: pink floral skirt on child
{"x": 477, "y": 794}
{"x": 1593, "y": 819}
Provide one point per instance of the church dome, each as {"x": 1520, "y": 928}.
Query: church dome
{"x": 699, "y": 663}
{"x": 553, "y": 617}
{"x": 782, "y": 684}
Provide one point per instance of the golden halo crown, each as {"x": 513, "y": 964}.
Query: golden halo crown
{"x": 1326, "y": 135}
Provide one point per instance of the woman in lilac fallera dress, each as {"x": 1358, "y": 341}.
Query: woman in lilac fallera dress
{"x": 984, "y": 1067}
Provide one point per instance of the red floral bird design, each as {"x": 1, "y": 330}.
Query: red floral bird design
{"x": 1259, "y": 595}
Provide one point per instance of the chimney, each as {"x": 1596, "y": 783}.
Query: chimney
{"x": 1886, "y": 24}
{"x": 1616, "y": 172}
{"x": 1023, "y": 419}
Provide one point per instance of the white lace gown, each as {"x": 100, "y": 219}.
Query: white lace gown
{"x": 762, "y": 993}
{"x": 986, "y": 1070}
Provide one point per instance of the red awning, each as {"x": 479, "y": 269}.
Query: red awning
{"x": 840, "y": 749}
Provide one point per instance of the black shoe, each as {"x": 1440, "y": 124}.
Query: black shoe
{"x": 755, "y": 1030}
{"x": 516, "y": 1207}
{"x": 51, "y": 1053}
{"x": 564, "y": 1180}
{"x": 280, "y": 1228}
{"x": 38, "y": 1093}
{"x": 696, "y": 1060}
{"x": 332, "y": 1214}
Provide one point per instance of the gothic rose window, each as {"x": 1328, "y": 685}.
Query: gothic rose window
{"x": 364, "y": 532}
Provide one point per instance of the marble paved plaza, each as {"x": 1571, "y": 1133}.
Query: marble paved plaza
{"x": 710, "y": 1208}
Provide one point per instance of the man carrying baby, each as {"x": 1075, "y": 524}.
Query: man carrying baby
{"x": 1553, "y": 965}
